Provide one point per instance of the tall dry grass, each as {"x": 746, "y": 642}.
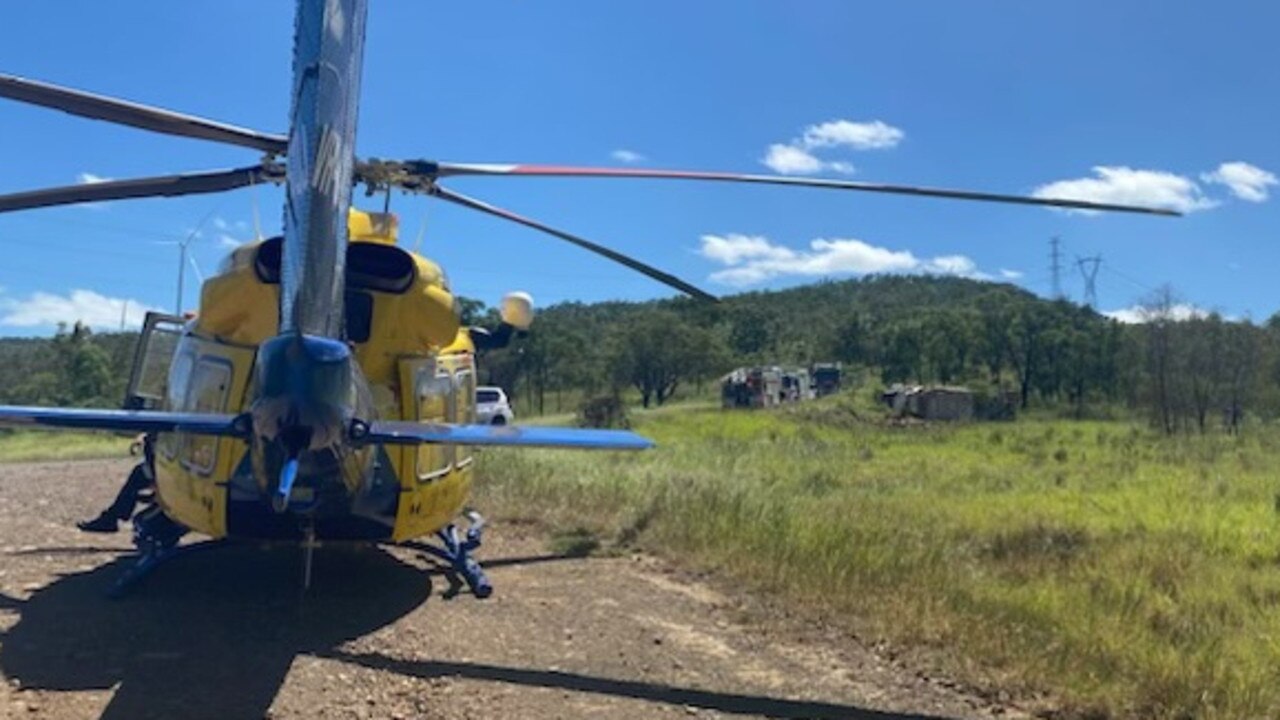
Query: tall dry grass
{"x": 1128, "y": 574}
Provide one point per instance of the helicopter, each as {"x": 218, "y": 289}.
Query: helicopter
{"x": 325, "y": 389}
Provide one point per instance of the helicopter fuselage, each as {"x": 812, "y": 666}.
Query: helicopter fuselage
{"x": 406, "y": 357}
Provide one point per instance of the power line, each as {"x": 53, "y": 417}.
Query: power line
{"x": 1136, "y": 283}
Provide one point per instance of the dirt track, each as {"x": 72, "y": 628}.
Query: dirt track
{"x": 225, "y": 634}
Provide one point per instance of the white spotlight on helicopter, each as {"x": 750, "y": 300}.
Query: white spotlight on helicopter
{"x": 517, "y": 309}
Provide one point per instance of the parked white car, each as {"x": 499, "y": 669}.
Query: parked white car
{"x": 492, "y": 407}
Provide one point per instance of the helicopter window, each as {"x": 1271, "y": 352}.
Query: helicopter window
{"x": 464, "y": 383}
{"x": 436, "y": 403}
{"x": 179, "y": 376}
{"x": 152, "y": 358}
{"x": 359, "y": 316}
{"x": 208, "y": 394}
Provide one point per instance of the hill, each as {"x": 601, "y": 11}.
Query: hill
{"x": 918, "y": 328}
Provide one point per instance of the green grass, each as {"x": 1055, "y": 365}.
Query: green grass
{"x": 1127, "y": 574}
{"x": 38, "y": 445}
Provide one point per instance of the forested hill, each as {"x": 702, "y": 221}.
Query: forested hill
{"x": 995, "y": 337}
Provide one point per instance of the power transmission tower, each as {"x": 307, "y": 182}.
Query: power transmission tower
{"x": 1089, "y": 267}
{"x": 1055, "y": 265}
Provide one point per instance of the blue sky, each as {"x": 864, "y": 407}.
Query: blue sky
{"x": 1001, "y": 96}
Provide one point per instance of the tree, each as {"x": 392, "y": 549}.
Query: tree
{"x": 1026, "y": 337}
{"x": 658, "y": 350}
{"x": 1158, "y": 321}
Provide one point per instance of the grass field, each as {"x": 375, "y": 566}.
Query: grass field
{"x": 1126, "y": 574}
{"x": 35, "y": 445}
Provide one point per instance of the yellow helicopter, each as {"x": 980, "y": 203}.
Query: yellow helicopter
{"x": 325, "y": 389}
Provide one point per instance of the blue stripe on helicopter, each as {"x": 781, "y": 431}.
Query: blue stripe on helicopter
{"x": 123, "y": 420}
{"x": 390, "y": 432}
{"x": 412, "y": 433}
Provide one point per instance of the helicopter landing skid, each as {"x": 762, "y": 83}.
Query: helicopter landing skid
{"x": 457, "y": 552}
{"x": 156, "y": 537}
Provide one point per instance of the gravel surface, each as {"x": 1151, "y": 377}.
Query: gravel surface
{"x": 227, "y": 634}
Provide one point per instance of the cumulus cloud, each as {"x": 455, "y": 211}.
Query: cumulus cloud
{"x": 799, "y": 157}
{"x": 752, "y": 259}
{"x": 98, "y": 311}
{"x": 1127, "y": 186}
{"x": 1011, "y": 274}
{"x": 623, "y": 155}
{"x": 1247, "y": 182}
{"x": 792, "y": 160}
{"x": 1139, "y": 314}
{"x": 874, "y": 135}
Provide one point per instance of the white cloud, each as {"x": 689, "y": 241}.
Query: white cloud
{"x": 95, "y": 310}
{"x": 792, "y": 160}
{"x": 1011, "y": 274}
{"x": 623, "y": 155}
{"x": 753, "y": 259}
{"x": 1139, "y": 314}
{"x": 734, "y": 248}
{"x": 1247, "y": 182}
{"x": 228, "y": 242}
{"x": 797, "y": 157}
{"x": 1127, "y": 186}
{"x": 874, "y": 135}
{"x": 959, "y": 265}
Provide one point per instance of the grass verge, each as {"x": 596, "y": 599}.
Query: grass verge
{"x": 35, "y": 446}
{"x": 1124, "y": 573}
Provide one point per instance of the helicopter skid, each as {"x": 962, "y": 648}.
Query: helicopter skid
{"x": 457, "y": 553}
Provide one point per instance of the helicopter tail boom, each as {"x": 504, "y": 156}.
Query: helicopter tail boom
{"x": 328, "y": 56}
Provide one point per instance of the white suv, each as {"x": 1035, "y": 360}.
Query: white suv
{"x": 492, "y": 407}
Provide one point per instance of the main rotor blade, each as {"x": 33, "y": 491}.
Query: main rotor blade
{"x": 123, "y": 112}
{"x": 163, "y": 186}
{"x": 444, "y": 170}
{"x": 656, "y": 274}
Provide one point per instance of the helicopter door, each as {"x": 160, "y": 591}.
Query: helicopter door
{"x": 151, "y": 360}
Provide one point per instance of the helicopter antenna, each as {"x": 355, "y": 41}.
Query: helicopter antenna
{"x": 422, "y": 233}
{"x": 257, "y": 221}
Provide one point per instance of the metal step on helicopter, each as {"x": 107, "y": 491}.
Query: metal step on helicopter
{"x": 324, "y": 391}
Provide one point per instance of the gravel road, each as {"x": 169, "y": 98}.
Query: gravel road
{"x": 227, "y": 634}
